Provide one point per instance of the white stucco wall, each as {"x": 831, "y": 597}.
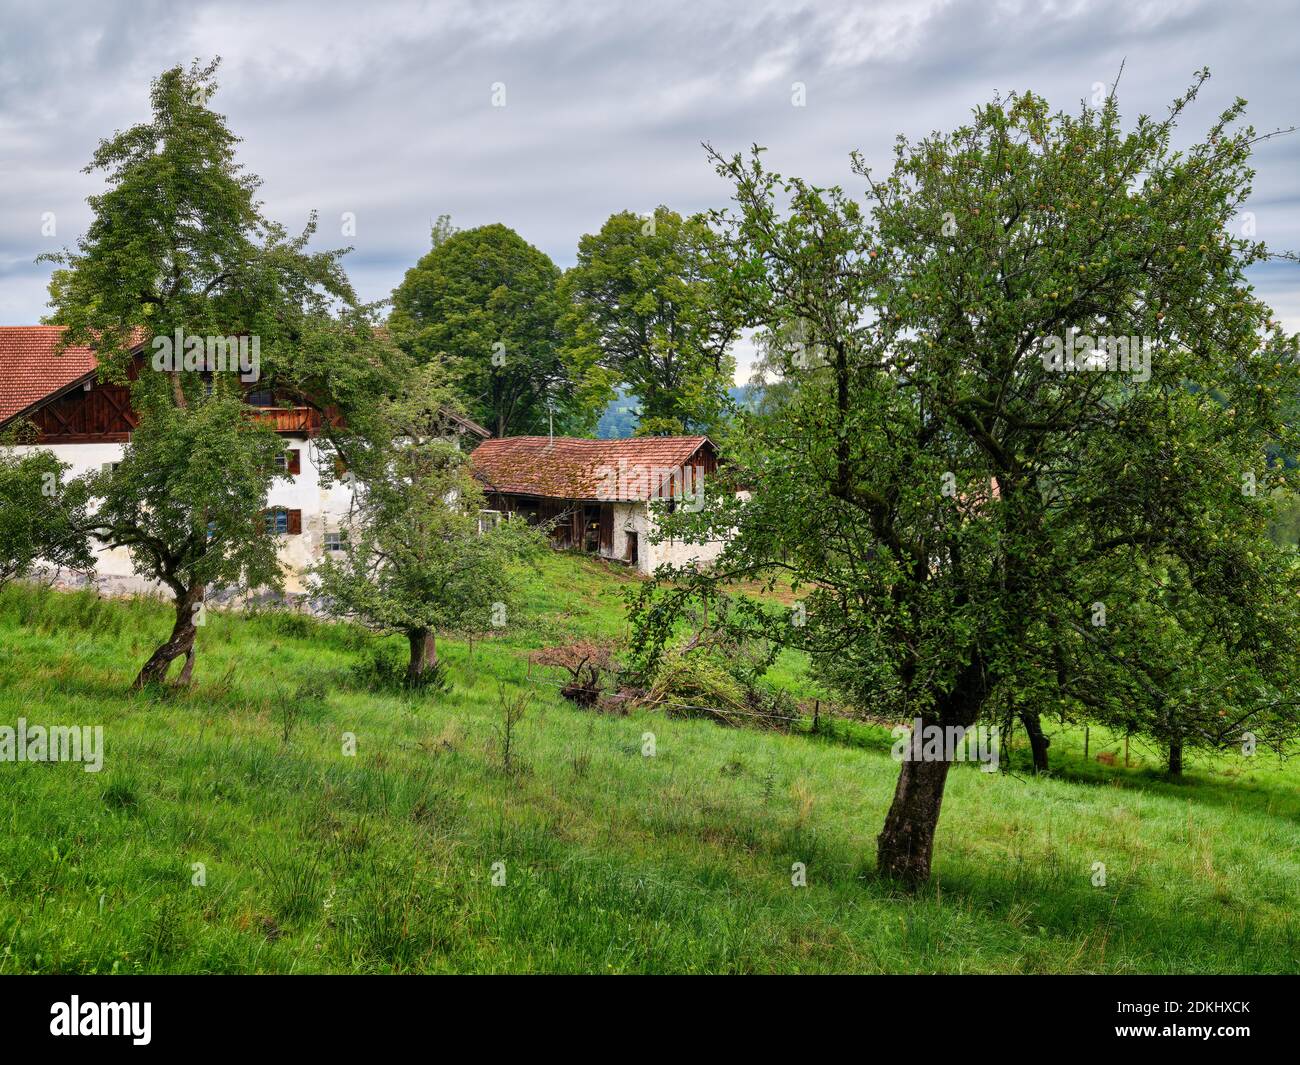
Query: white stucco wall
{"x": 114, "y": 573}
{"x": 323, "y": 510}
{"x": 630, "y": 517}
{"x": 636, "y": 517}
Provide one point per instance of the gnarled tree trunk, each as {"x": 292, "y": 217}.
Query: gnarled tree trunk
{"x": 424, "y": 655}
{"x": 1038, "y": 742}
{"x": 180, "y": 642}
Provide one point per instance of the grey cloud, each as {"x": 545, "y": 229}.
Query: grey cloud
{"x": 384, "y": 109}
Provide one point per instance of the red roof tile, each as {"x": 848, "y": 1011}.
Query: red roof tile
{"x": 573, "y": 468}
{"x": 30, "y": 370}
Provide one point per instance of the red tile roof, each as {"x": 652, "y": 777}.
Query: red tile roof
{"x": 30, "y": 370}
{"x": 572, "y": 468}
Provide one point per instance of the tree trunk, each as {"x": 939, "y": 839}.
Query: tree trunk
{"x": 1176, "y": 758}
{"x": 905, "y": 844}
{"x": 424, "y": 655}
{"x": 180, "y": 642}
{"x": 1038, "y": 743}
{"x": 187, "y": 670}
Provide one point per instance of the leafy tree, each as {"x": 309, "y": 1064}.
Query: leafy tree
{"x": 958, "y": 508}
{"x": 418, "y": 561}
{"x": 178, "y": 244}
{"x": 344, "y": 368}
{"x": 178, "y": 241}
{"x": 646, "y": 302}
{"x": 483, "y": 304}
{"x": 185, "y": 499}
{"x": 42, "y": 517}
{"x": 1193, "y": 665}
{"x": 1285, "y": 528}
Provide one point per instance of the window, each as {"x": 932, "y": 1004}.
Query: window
{"x": 263, "y": 398}
{"x": 336, "y": 541}
{"x": 109, "y": 467}
{"x": 281, "y": 521}
{"x": 290, "y": 461}
{"x": 488, "y": 519}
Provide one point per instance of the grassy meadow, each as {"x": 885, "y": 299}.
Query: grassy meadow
{"x": 316, "y": 861}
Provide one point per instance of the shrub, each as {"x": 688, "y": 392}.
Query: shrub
{"x": 721, "y": 682}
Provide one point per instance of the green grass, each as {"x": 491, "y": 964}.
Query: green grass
{"x": 614, "y": 862}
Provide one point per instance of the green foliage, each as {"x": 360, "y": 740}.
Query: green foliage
{"x": 384, "y": 668}
{"x": 178, "y": 241}
{"x": 42, "y": 517}
{"x": 953, "y": 504}
{"x": 939, "y": 487}
{"x": 186, "y": 495}
{"x": 417, "y": 560}
{"x": 716, "y": 671}
{"x": 483, "y": 304}
{"x": 344, "y": 367}
{"x": 646, "y": 304}
{"x": 696, "y": 684}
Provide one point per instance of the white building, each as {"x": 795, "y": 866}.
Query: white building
{"x": 87, "y": 424}
{"x": 597, "y": 495}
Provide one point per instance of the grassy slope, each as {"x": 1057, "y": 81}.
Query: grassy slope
{"x": 614, "y": 861}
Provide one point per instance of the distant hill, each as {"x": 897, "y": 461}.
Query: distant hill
{"x": 621, "y": 416}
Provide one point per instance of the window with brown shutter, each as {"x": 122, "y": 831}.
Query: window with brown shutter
{"x": 295, "y": 461}
{"x": 281, "y": 521}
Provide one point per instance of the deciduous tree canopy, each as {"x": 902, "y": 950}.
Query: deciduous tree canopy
{"x": 967, "y": 515}
{"x": 483, "y": 305}
{"x": 646, "y": 304}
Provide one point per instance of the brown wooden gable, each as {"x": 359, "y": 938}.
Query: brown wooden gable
{"x": 89, "y": 412}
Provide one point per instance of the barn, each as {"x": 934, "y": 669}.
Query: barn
{"x": 595, "y": 495}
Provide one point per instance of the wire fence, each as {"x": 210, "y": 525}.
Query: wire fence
{"x": 830, "y": 711}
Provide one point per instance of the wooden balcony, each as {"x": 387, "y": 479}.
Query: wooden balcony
{"x": 298, "y": 421}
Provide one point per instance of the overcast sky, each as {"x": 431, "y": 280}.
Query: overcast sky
{"x": 386, "y": 109}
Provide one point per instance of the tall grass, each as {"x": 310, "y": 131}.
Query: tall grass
{"x": 391, "y": 859}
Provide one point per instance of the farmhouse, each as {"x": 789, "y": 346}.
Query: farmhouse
{"x": 87, "y": 423}
{"x": 596, "y": 495}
